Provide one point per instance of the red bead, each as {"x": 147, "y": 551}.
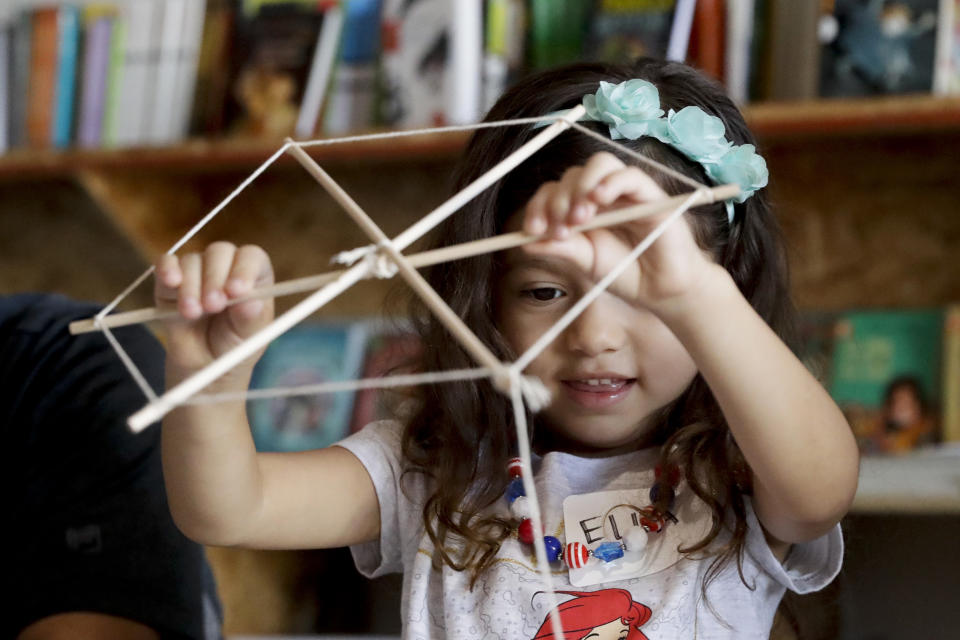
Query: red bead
{"x": 515, "y": 468}
{"x": 525, "y": 531}
{"x": 651, "y": 520}
{"x": 576, "y": 555}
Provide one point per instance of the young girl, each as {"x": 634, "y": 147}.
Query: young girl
{"x": 687, "y": 458}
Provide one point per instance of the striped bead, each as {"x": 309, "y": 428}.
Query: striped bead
{"x": 576, "y": 555}
{"x": 515, "y": 468}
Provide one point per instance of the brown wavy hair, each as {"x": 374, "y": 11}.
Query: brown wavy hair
{"x": 461, "y": 435}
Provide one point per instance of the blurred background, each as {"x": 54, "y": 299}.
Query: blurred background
{"x": 122, "y": 123}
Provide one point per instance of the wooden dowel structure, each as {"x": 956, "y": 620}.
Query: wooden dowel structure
{"x": 419, "y": 260}
{"x": 175, "y": 396}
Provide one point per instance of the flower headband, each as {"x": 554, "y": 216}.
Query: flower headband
{"x": 632, "y": 110}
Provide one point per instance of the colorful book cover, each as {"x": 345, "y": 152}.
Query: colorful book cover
{"x": 43, "y": 76}
{"x": 950, "y": 430}
{"x": 309, "y": 354}
{"x": 416, "y": 55}
{"x": 274, "y": 49}
{"x": 879, "y": 47}
{"x": 68, "y": 27}
{"x": 886, "y": 376}
{"x": 96, "y": 63}
{"x": 388, "y": 353}
{"x": 622, "y": 30}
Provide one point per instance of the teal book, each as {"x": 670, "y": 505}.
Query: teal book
{"x": 68, "y": 30}
{"x": 307, "y": 355}
{"x": 886, "y": 375}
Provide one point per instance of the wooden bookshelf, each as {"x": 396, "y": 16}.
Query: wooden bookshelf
{"x": 880, "y": 117}
{"x": 923, "y": 482}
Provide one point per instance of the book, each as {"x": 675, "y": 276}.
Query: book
{"x": 212, "y": 84}
{"x": 6, "y": 62}
{"x": 20, "y": 51}
{"x": 793, "y": 71}
{"x": 707, "y": 35}
{"x": 111, "y": 100}
{"x": 42, "y": 76}
{"x": 160, "y": 127}
{"x": 621, "y": 30}
{"x": 950, "y": 429}
{"x": 739, "y": 41}
{"x": 188, "y": 58}
{"x": 879, "y": 48}
{"x": 389, "y": 351}
{"x": 679, "y": 42}
{"x": 321, "y": 67}
{"x": 274, "y": 43}
{"x": 462, "y": 83}
{"x": 414, "y": 63}
{"x": 135, "y": 90}
{"x": 558, "y": 31}
{"x": 351, "y": 104}
{"x": 308, "y": 354}
{"x": 886, "y": 376}
{"x": 504, "y": 37}
{"x": 98, "y": 26}
{"x": 68, "y": 50}
{"x": 946, "y": 74}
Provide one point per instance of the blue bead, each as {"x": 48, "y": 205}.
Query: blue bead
{"x": 515, "y": 490}
{"x": 608, "y": 551}
{"x": 553, "y": 547}
{"x": 667, "y": 489}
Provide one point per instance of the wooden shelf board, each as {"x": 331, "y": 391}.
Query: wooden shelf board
{"x": 918, "y": 483}
{"x": 770, "y": 121}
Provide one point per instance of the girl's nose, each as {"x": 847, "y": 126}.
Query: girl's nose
{"x": 597, "y": 330}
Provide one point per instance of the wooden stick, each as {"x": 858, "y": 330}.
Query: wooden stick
{"x": 418, "y": 260}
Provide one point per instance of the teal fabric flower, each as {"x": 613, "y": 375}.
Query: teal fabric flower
{"x": 631, "y": 108}
{"x": 697, "y": 135}
{"x": 741, "y": 165}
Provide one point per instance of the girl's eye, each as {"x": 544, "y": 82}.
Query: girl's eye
{"x": 543, "y": 294}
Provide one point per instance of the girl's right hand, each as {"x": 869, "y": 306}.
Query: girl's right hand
{"x": 200, "y": 285}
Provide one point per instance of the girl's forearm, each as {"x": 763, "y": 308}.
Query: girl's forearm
{"x": 794, "y": 437}
{"x": 211, "y": 472}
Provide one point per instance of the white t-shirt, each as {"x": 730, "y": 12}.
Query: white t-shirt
{"x": 505, "y": 603}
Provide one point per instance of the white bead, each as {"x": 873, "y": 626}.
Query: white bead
{"x": 520, "y": 508}
{"x": 635, "y": 540}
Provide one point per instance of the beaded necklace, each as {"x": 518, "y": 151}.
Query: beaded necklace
{"x": 577, "y": 555}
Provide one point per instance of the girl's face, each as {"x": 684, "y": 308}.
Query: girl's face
{"x": 607, "y": 372}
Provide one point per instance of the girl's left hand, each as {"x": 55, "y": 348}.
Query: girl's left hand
{"x": 670, "y": 268}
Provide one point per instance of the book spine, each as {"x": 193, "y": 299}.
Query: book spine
{"x": 42, "y": 79}
{"x": 68, "y": 26}
{"x": 132, "y": 103}
{"x": 161, "y": 119}
{"x": 210, "y": 93}
{"x": 187, "y": 73}
{"x": 794, "y": 56}
{"x": 739, "y": 34}
{"x": 115, "y": 69}
{"x": 95, "y": 65}
{"x": 680, "y": 30}
{"x": 318, "y": 78}
{"x": 945, "y": 73}
{"x": 463, "y": 73}
{"x": 950, "y": 429}
{"x": 20, "y": 77}
{"x": 351, "y": 103}
{"x": 6, "y": 37}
